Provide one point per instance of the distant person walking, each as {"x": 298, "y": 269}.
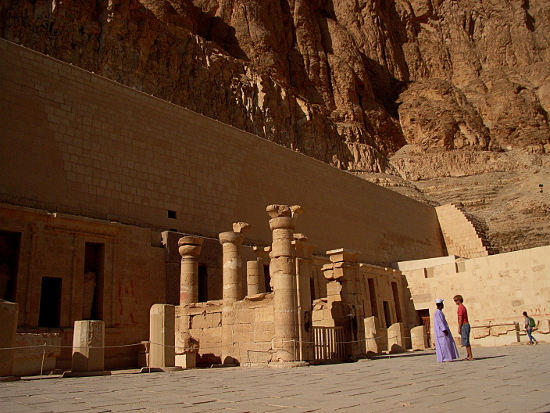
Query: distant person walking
{"x": 529, "y": 325}
{"x": 445, "y": 347}
{"x": 463, "y": 326}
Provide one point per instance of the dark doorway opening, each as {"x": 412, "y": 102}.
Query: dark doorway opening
{"x": 387, "y": 313}
{"x": 396, "y": 301}
{"x": 312, "y": 289}
{"x": 94, "y": 257}
{"x": 424, "y": 319}
{"x": 267, "y": 279}
{"x": 10, "y": 243}
{"x": 203, "y": 283}
{"x": 50, "y": 302}
{"x": 372, "y": 296}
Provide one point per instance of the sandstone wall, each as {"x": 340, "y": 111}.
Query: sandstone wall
{"x": 252, "y": 330}
{"x": 76, "y": 143}
{"x": 496, "y": 290}
{"x": 375, "y": 298}
{"x": 133, "y": 276}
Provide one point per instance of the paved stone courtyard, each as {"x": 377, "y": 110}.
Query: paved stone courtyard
{"x": 502, "y": 379}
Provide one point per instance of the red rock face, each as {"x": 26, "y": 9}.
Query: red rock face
{"x": 321, "y": 77}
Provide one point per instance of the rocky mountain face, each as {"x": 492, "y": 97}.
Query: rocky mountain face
{"x": 444, "y": 100}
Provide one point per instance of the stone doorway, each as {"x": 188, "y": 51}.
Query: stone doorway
{"x": 424, "y": 319}
{"x": 94, "y": 257}
{"x": 50, "y": 302}
{"x": 10, "y": 243}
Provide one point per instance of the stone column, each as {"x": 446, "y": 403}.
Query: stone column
{"x": 344, "y": 270}
{"x": 232, "y": 286}
{"x": 88, "y": 349}
{"x": 255, "y": 277}
{"x": 232, "y": 267}
{"x": 162, "y": 336}
{"x": 283, "y": 276}
{"x": 304, "y": 270}
{"x": 189, "y": 248}
{"x": 8, "y": 320}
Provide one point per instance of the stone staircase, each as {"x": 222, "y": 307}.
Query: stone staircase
{"x": 460, "y": 234}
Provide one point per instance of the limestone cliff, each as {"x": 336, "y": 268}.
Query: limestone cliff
{"x": 403, "y": 87}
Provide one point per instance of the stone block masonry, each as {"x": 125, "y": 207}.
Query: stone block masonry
{"x": 496, "y": 290}
{"x": 80, "y": 144}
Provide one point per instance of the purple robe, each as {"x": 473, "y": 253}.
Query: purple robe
{"x": 445, "y": 347}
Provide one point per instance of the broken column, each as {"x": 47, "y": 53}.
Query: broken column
{"x": 283, "y": 278}
{"x": 8, "y": 320}
{"x": 395, "y": 338}
{"x": 304, "y": 270}
{"x": 343, "y": 274}
{"x": 88, "y": 349}
{"x": 418, "y": 338}
{"x": 255, "y": 277}
{"x": 189, "y": 248}
{"x": 162, "y": 337}
{"x": 232, "y": 286}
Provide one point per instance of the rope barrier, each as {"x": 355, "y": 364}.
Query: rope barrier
{"x": 45, "y": 345}
{"x": 185, "y": 349}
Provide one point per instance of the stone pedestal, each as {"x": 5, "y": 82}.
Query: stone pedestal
{"x": 396, "y": 338}
{"x": 88, "y": 349}
{"x": 162, "y": 336}
{"x": 232, "y": 286}
{"x": 187, "y": 360}
{"x": 283, "y": 277}
{"x": 370, "y": 335}
{"x": 418, "y": 338}
{"x": 8, "y": 322}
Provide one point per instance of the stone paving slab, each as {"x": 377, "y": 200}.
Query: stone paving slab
{"x": 502, "y": 379}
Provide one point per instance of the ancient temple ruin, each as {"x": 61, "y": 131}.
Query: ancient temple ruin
{"x": 309, "y": 309}
{"x": 113, "y": 201}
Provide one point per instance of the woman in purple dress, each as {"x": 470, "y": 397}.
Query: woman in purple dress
{"x": 445, "y": 347}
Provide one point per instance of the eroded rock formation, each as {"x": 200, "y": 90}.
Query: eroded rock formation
{"x": 349, "y": 82}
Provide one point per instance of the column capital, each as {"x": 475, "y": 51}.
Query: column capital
{"x": 241, "y": 227}
{"x": 190, "y": 246}
{"x": 283, "y": 216}
{"x": 230, "y": 237}
{"x": 236, "y": 236}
